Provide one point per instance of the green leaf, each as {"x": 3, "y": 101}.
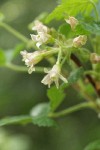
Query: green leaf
{"x": 83, "y": 54}
{"x": 64, "y": 29}
{"x": 15, "y": 120}
{"x": 71, "y": 8}
{"x": 93, "y": 27}
{"x": 75, "y": 75}
{"x": 80, "y": 30}
{"x": 56, "y": 97}
{"x": 41, "y": 109}
{"x": 2, "y": 58}
{"x": 93, "y": 146}
{"x": 39, "y": 120}
{"x": 43, "y": 121}
{"x": 40, "y": 115}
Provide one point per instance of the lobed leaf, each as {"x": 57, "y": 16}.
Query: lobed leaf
{"x": 71, "y": 8}
{"x": 93, "y": 27}
{"x": 56, "y": 97}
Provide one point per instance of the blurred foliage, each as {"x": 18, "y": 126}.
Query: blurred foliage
{"x": 19, "y": 92}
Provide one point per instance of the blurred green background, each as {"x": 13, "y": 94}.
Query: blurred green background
{"x": 19, "y": 92}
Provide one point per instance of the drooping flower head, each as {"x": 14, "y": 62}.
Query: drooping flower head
{"x": 79, "y": 41}
{"x": 31, "y": 59}
{"x": 53, "y": 76}
{"x": 73, "y": 22}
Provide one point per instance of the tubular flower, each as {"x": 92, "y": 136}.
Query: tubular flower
{"x": 79, "y": 41}
{"x": 42, "y": 33}
{"x": 72, "y": 21}
{"x": 40, "y": 38}
{"x": 53, "y": 76}
{"x": 31, "y": 59}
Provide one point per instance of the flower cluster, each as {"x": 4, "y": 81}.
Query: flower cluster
{"x": 42, "y": 37}
{"x": 42, "y": 33}
{"x": 31, "y": 59}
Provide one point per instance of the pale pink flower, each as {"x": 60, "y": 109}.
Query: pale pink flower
{"x": 53, "y": 76}
{"x": 42, "y": 35}
{"x": 40, "y": 27}
{"x": 31, "y": 59}
{"x": 72, "y": 21}
{"x": 79, "y": 41}
{"x": 40, "y": 38}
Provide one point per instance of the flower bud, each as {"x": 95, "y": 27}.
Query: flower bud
{"x": 72, "y": 21}
{"x": 94, "y": 58}
{"x": 79, "y": 41}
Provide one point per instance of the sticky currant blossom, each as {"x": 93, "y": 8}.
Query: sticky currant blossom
{"x": 42, "y": 35}
{"x": 53, "y": 76}
{"x": 31, "y": 59}
{"x": 39, "y": 27}
{"x": 79, "y": 41}
{"x": 72, "y": 21}
{"x": 40, "y": 38}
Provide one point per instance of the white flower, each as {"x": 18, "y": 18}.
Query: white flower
{"x": 39, "y": 27}
{"x": 79, "y": 41}
{"x": 40, "y": 38}
{"x": 42, "y": 33}
{"x": 31, "y": 59}
{"x": 72, "y": 21}
{"x": 53, "y": 76}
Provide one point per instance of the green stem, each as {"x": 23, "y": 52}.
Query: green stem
{"x": 95, "y": 9}
{"x": 23, "y": 69}
{"x": 50, "y": 52}
{"x": 92, "y": 73}
{"x": 14, "y": 32}
{"x": 59, "y": 56}
{"x": 72, "y": 109}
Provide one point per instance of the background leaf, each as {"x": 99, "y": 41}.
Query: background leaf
{"x": 93, "y": 27}
{"x": 93, "y": 146}
{"x": 39, "y": 116}
{"x": 75, "y": 75}
{"x": 71, "y": 8}
{"x": 2, "y": 57}
{"x": 56, "y": 97}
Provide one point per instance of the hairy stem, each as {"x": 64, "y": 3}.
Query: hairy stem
{"x": 22, "y": 68}
{"x": 72, "y": 109}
